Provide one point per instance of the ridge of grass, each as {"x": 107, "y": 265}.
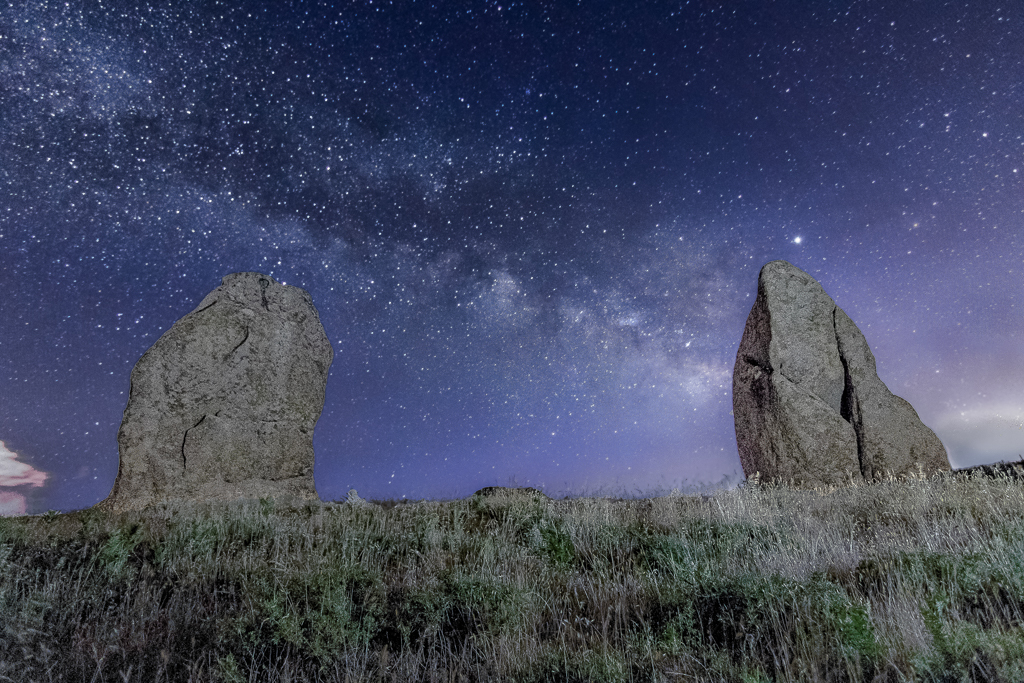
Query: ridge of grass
{"x": 919, "y": 579}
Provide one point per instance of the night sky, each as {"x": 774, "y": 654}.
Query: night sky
{"x": 532, "y": 230}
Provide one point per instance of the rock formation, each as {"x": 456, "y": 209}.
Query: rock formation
{"x": 507, "y": 492}
{"x": 808, "y": 403}
{"x": 354, "y": 500}
{"x": 223, "y": 405}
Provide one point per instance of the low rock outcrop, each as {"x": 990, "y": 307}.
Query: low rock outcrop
{"x": 509, "y": 492}
{"x": 354, "y": 500}
{"x": 223, "y": 405}
{"x": 808, "y": 404}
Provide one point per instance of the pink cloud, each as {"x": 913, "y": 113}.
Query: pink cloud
{"x": 11, "y": 504}
{"x": 14, "y": 473}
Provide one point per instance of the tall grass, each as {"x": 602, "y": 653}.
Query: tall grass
{"x": 913, "y": 580}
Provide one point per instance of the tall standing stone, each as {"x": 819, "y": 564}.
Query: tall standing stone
{"x": 223, "y": 405}
{"x": 808, "y": 404}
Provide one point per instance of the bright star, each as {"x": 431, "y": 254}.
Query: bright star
{"x": 797, "y": 239}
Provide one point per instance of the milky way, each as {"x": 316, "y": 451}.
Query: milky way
{"x": 533, "y": 233}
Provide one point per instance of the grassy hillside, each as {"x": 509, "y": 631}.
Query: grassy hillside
{"x": 920, "y": 580}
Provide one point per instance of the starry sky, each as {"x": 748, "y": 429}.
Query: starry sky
{"x": 532, "y": 230}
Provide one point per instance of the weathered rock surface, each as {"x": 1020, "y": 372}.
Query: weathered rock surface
{"x": 223, "y": 405}
{"x": 808, "y": 403}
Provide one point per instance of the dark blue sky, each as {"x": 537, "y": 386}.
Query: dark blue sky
{"x": 532, "y": 231}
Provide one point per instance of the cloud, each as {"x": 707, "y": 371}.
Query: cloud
{"x": 12, "y": 504}
{"x": 983, "y": 435}
{"x": 14, "y": 473}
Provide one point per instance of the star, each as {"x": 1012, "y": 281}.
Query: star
{"x": 504, "y": 220}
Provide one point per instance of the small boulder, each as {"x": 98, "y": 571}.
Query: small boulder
{"x": 354, "y": 500}
{"x": 223, "y": 405}
{"x": 508, "y": 492}
{"x": 808, "y": 404}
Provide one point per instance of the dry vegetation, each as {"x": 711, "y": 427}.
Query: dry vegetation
{"x": 920, "y": 580}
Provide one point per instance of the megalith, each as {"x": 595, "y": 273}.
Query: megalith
{"x": 223, "y": 405}
{"x": 808, "y": 403}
